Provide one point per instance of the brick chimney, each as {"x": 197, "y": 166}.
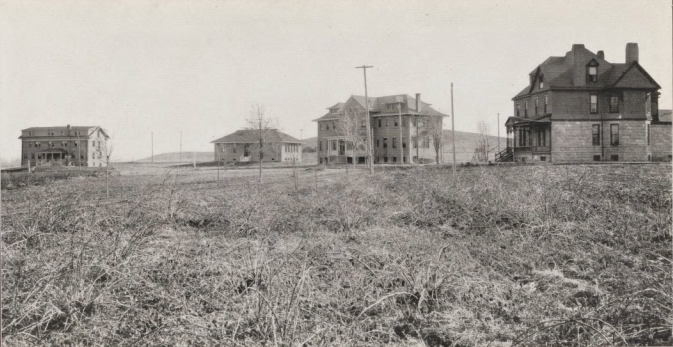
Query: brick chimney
{"x": 631, "y": 52}
{"x": 579, "y": 69}
{"x": 601, "y": 55}
{"x": 418, "y": 102}
{"x": 67, "y": 126}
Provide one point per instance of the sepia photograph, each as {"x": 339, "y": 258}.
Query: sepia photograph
{"x": 294, "y": 173}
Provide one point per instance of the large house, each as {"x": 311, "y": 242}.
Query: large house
{"x": 582, "y": 108}
{"x": 404, "y": 129}
{"x": 244, "y": 146}
{"x": 64, "y": 146}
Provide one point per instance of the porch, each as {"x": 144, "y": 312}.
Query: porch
{"x": 527, "y": 140}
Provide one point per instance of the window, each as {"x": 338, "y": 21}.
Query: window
{"x": 543, "y": 158}
{"x": 387, "y": 122}
{"x": 647, "y": 134}
{"x": 30, "y": 144}
{"x": 592, "y": 74}
{"x": 404, "y": 142}
{"x": 322, "y": 126}
{"x": 396, "y": 123}
{"x": 233, "y": 147}
{"x": 394, "y": 142}
{"x": 326, "y": 125}
{"x": 391, "y": 107}
{"x": 541, "y": 138}
{"x": 51, "y": 144}
{"x": 546, "y": 102}
{"x": 525, "y": 109}
{"x": 518, "y": 110}
{"x": 246, "y": 150}
{"x": 64, "y": 143}
{"x": 541, "y": 81}
{"x": 377, "y": 143}
{"x": 597, "y": 157}
{"x": 394, "y": 159}
{"x": 415, "y": 121}
{"x": 594, "y": 103}
{"x": 379, "y": 122}
{"x": 614, "y": 157}
{"x": 76, "y": 143}
{"x": 614, "y": 134}
{"x": 596, "y": 134}
{"x": 405, "y": 122}
{"x": 614, "y": 103}
{"x": 334, "y": 145}
{"x": 385, "y": 159}
{"x": 385, "y": 142}
{"x": 536, "y": 104}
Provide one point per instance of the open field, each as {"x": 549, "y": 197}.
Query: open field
{"x": 499, "y": 256}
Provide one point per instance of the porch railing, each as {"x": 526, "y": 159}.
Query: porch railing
{"x": 506, "y": 155}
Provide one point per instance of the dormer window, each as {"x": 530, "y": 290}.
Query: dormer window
{"x": 392, "y": 106}
{"x": 333, "y": 110}
{"x": 592, "y": 71}
{"x": 541, "y": 81}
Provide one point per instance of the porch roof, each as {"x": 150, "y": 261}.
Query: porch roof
{"x": 53, "y": 150}
{"x": 518, "y": 121}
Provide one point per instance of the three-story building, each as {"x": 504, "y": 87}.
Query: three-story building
{"x": 404, "y": 130}
{"x": 64, "y": 146}
{"x": 582, "y": 108}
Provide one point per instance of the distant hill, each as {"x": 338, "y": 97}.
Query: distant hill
{"x": 466, "y": 142}
{"x": 175, "y": 157}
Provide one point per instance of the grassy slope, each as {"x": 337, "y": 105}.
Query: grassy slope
{"x": 567, "y": 255}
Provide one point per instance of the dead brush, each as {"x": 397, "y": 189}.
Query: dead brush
{"x": 71, "y": 269}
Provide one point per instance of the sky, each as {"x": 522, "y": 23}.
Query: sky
{"x": 194, "y": 69}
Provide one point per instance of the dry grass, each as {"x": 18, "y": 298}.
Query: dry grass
{"x": 500, "y": 256}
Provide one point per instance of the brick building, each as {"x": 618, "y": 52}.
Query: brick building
{"x": 243, "y": 146}
{"x": 403, "y": 129}
{"x": 582, "y": 108}
{"x": 63, "y": 146}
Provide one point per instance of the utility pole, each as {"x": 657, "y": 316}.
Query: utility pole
{"x": 180, "y": 160}
{"x": 498, "y": 133}
{"x": 152, "y": 157}
{"x": 368, "y": 123}
{"x": 453, "y": 132}
{"x": 399, "y": 123}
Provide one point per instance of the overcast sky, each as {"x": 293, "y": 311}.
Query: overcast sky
{"x": 137, "y": 67}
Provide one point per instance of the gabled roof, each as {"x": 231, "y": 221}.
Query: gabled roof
{"x": 377, "y": 106}
{"x": 252, "y": 136}
{"x": 89, "y": 129}
{"x": 559, "y": 72}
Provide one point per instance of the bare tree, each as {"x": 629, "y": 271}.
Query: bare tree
{"x": 265, "y": 138}
{"x": 352, "y": 127}
{"x": 483, "y": 147}
{"x": 429, "y": 129}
